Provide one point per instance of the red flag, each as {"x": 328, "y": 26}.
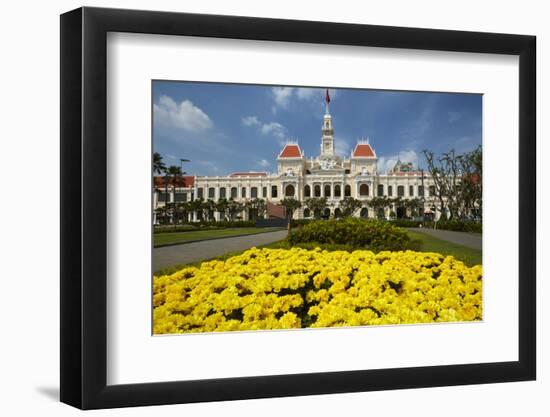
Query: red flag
{"x": 327, "y": 98}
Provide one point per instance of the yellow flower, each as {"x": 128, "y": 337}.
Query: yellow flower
{"x": 283, "y": 288}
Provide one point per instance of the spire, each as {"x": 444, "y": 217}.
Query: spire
{"x": 327, "y": 142}
{"x": 327, "y": 101}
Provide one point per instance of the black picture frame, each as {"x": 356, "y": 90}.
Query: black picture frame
{"x": 84, "y": 207}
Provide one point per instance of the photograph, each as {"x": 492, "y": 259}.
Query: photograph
{"x": 283, "y": 207}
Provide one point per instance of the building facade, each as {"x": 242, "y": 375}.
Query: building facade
{"x": 327, "y": 175}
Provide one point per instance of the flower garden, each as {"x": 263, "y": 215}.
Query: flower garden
{"x": 301, "y": 288}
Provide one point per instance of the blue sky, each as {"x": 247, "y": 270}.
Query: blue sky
{"x": 224, "y": 128}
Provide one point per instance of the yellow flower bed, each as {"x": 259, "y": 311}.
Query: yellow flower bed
{"x": 296, "y": 288}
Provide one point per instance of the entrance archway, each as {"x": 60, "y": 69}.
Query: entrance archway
{"x": 290, "y": 191}
{"x": 364, "y": 212}
{"x": 401, "y": 212}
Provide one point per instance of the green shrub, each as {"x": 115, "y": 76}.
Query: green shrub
{"x": 301, "y": 222}
{"x": 458, "y": 226}
{"x": 353, "y": 233}
{"x": 454, "y": 225}
{"x": 205, "y": 225}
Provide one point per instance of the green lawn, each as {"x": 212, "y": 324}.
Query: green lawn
{"x": 422, "y": 243}
{"x": 171, "y": 238}
{"x": 432, "y": 244}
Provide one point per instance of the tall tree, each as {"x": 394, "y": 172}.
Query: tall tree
{"x": 234, "y": 208}
{"x": 197, "y": 207}
{"x": 379, "y": 205}
{"x": 290, "y": 205}
{"x": 259, "y": 205}
{"x": 221, "y": 207}
{"x": 158, "y": 164}
{"x": 457, "y": 181}
{"x": 471, "y": 164}
{"x": 349, "y": 206}
{"x": 316, "y": 205}
{"x": 174, "y": 174}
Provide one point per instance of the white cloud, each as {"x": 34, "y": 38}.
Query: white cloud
{"x": 184, "y": 115}
{"x": 264, "y": 163}
{"x": 282, "y": 96}
{"x": 250, "y": 121}
{"x": 454, "y": 116}
{"x": 342, "y": 147}
{"x": 306, "y": 93}
{"x": 274, "y": 129}
{"x": 385, "y": 163}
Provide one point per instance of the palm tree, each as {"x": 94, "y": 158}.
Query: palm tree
{"x": 175, "y": 173}
{"x": 234, "y": 208}
{"x": 221, "y": 207}
{"x": 196, "y": 206}
{"x": 183, "y": 209}
{"x": 158, "y": 165}
{"x": 258, "y": 205}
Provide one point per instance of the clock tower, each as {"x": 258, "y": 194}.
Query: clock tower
{"x": 327, "y": 141}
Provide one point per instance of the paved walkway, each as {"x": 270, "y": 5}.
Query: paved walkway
{"x": 471, "y": 240}
{"x": 195, "y": 251}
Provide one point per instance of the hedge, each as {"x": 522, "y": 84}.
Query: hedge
{"x": 353, "y": 232}
{"x": 224, "y": 224}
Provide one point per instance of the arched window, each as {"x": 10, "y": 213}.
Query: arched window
{"x": 337, "y": 213}
{"x": 432, "y": 190}
{"x": 273, "y": 191}
{"x": 337, "y": 191}
{"x": 327, "y": 190}
{"x": 307, "y": 213}
{"x": 233, "y": 192}
{"x": 222, "y": 192}
{"x": 254, "y": 192}
{"x": 400, "y": 191}
{"x": 317, "y": 191}
{"x": 243, "y": 192}
{"x": 307, "y": 191}
{"x": 326, "y": 213}
{"x": 289, "y": 191}
{"x": 380, "y": 190}
{"x": 363, "y": 190}
{"x": 347, "y": 191}
{"x": 211, "y": 192}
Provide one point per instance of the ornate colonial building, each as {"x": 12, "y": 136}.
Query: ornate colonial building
{"x": 326, "y": 175}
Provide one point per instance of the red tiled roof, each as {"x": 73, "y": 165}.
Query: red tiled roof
{"x": 291, "y": 151}
{"x": 248, "y": 174}
{"x": 362, "y": 150}
{"x": 185, "y": 181}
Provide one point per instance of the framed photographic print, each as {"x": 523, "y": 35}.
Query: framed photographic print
{"x": 258, "y": 207}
